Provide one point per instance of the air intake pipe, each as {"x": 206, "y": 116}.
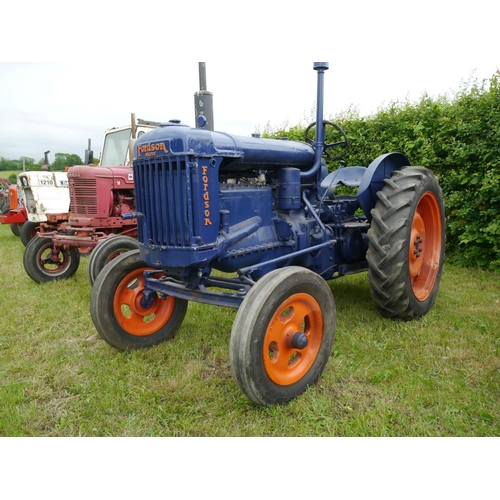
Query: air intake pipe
{"x": 319, "y": 144}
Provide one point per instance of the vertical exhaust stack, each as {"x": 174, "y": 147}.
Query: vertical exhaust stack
{"x": 89, "y": 155}
{"x": 203, "y": 102}
{"x": 46, "y": 164}
{"x": 320, "y": 67}
{"x": 131, "y": 141}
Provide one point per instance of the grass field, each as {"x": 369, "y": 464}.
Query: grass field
{"x": 6, "y": 173}
{"x": 438, "y": 376}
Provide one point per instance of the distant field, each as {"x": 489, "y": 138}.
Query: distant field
{"x": 439, "y": 376}
{"x": 6, "y": 173}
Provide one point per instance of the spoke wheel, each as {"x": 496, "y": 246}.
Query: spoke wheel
{"x": 344, "y": 143}
{"x": 406, "y": 249}
{"x": 44, "y": 262}
{"x": 107, "y": 250}
{"x": 120, "y": 312}
{"x": 282, "y": 335}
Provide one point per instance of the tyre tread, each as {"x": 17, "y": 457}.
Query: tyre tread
{"x": 388, "y": 242}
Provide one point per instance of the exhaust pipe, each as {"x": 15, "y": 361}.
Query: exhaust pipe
{"x": 203, "y": 102}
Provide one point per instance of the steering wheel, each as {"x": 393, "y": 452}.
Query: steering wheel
{"x": 344, "y": 144}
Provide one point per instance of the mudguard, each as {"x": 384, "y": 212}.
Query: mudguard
{"x": 373, "y": 179}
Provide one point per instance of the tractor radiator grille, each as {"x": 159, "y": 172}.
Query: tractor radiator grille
{"x": 163, "y": 195}
{"x": 83, "y": 197}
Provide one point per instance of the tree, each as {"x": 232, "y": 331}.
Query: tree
{"x": 6, "y": 164}
{"x": 63, "y": 160}
{"x": 28, "y": 162}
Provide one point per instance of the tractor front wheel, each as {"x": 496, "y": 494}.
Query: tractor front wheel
{"x": 122, "y": 314}
{"x": 44, "y": 262}
{"x": 106, "y": 250}
{"x": 28, "y": 231}
{"x": 16, "y": 227}
{"x": 282, "y": 336}
{"x": 406, "y": 244}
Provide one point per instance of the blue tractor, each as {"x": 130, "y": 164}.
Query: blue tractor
{"x": 256, "y": 224}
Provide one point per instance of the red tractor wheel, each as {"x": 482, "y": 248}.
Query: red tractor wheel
{"x": 406, "y": 250}
{"x": 121, "y": 313}
{"x": 282, "y": 336}
{"x": 106, "y": 250}
{"x": 44, "y": 262}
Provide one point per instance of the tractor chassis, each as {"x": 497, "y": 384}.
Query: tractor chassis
{"x": 238, "y": 287}
{"x": 83, "y": 238}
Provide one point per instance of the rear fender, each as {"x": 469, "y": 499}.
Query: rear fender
{"x": 373, "y": 179}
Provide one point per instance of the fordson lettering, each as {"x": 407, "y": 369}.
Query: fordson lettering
{"x": 206, "y": 196}
{"x": 151, "y": 149}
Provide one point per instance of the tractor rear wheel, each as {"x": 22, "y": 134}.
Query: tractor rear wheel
{"x": 28, "y": 231}
{"x": 119, "y": 309}
{"x": 16, "y": 228}
{"x": 106, "y": 250}
{"x": 44, "y": 262}
{"x": 282, "y": 336}
{"x": 406, "y": 244}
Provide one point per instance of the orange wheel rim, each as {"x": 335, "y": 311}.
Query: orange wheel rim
{"x": 130, "y": 314}
{"x": 425, "y": 246}
{"x": 284, "y": 363}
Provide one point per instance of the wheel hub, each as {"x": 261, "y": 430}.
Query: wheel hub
{"x": 299, "y": 340}
{"x": 417, "y": 245}
{"x": 425, "y": 246}
{"x": 293, "y": 339}
{"x": 417, "y": 251}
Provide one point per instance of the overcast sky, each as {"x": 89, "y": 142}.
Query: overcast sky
{"x": 259, "y": 66}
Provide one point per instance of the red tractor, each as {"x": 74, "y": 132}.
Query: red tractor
{"x": 99, "y": 196}
{"x": 14, "y": 212}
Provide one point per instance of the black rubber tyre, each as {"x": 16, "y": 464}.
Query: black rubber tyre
{"x": 28, "y": 231}
{"x": 4, "y": 208}
{"x": 42, "y": 264}
{"x": 117, "y": 311}
{"x": 16, "y": 228}
{"x": 407, "y": 239}
{"x": 106, "y": 250}
{"x": 284, "y": 308}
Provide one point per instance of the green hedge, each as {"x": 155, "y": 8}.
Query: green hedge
{"x": 458, "y": 138}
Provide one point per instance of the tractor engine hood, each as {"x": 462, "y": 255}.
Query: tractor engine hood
{"x": 175, "y": 139}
